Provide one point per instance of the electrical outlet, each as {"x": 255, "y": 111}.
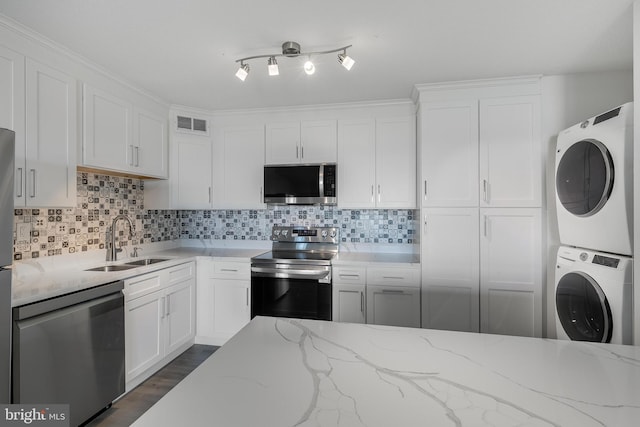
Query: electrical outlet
{"x": 23, "y": 232}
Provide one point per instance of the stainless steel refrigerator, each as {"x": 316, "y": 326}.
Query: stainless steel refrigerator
{"x": 7, "y": 156}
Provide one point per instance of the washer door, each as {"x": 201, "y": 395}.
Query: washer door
{"x": 584, "y": 177}
{"x": 583, "y": 308}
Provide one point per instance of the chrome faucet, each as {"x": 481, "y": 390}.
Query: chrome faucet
{"x": 112, "y": 251}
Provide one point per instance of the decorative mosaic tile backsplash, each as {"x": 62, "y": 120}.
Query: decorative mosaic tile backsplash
{"x": 102, "y": 197}
{"x": 364, "y": 226}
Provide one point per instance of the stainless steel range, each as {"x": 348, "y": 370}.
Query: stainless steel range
{"x": 294, "y": 279}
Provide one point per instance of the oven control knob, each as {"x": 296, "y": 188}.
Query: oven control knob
{"x": 285, "y": 232}
{"x": 324, "y": 234}
{"x": 276, "y": 232}
{"x": 333, "y": 233}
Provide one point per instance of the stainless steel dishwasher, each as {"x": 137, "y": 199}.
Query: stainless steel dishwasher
{"x": 70, "y": 350}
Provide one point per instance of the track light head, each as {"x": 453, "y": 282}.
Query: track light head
{"x": 309, "y": 68}
{"x": 346, "y": 61}
{"x": 273, "y": 66}
{"x": 243, "y": 71}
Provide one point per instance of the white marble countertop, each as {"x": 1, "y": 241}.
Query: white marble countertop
{"x": 375, "y": 258}
{"x": 288, "y": 372}
{"x": 49, "y": 277}
{"x": 37, "y": 279}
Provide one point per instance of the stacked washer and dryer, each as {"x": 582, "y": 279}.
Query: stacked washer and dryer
{"x": 594, "y": 198}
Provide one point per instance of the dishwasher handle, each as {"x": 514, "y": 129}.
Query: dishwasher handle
{"x": 95, "y": 306}
{"x": 57, "y": 303}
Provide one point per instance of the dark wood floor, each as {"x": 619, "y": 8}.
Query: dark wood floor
{"x": 126, "y": 410}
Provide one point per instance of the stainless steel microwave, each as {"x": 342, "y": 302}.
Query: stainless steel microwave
{"x": 310, "y": 184}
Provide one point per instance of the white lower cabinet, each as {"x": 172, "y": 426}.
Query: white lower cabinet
{"x": 482, "y": 270}
{"x": 451, "y": 269}
{"x": 224, "y": 299}
{"x": 231, "y": 305}
{"x": 511, "y": 271}
{"x": 369, "y": 293}
{"x": 393, "y": 306}
{"x": 159, "y": 319}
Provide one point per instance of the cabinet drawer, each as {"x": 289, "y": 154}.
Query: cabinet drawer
{"x": 181, "y": 272}
{"x": 350, "y": 275}
{"x": 393, "y": 276}
{"x": 231, "y": 270}
{"x": 143, "y": 285}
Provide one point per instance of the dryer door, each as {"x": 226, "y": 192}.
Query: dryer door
{"x": 584, "y": 177}
{"x": 583, "y": 308}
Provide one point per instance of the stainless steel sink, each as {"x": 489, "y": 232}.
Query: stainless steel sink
{"x": 107, "y": 268}
{"x": 147, "y": 261}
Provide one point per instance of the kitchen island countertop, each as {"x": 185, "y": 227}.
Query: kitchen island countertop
{"x": 286, "y": 372}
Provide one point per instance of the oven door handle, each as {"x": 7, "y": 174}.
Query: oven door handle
{"x": 291, "y": 273}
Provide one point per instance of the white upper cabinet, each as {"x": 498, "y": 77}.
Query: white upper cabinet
{"x": 191, "y": 173}
{"x": 39, "y": 104}
{"x": 377, "y": 163}
{"x": 395, "y": 162}
{"x": 305, "y": 142}
{"x": 151, "y": 144}
{"x": 49, "y": 176}
{"x": 282, "y": 144}
{"x": 107, "y": 141}
{"x": 319, "y": 141}
{"x": 12, "y": 91}
{"x": 122, "y": 137}
{"x": 238, "y": 171}
{"x": 12, "y": 105}
{"x": 449, "y": 144}
{"x": 356, "y": 163}
{"x": 480, "y": 145}
{"x": 510, "y": 152}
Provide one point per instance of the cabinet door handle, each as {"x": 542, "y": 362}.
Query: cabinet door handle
{"x": 424, "y": 223}
{"x": 393, "y": 277}
{"x": 484, "y": 191}
{"x": 362, "y": 302}
{"x": 372, "y": 192}
{"x": 230, "y": 270}
{"x": 19, "y": 189}
{"x": 137, "y": 156}
{"x": 357, "y": 276}
{"x": 261, "y": 199}
{"x": 378, "y": 193}
{"x": 297, "y": 150}
{"x": 163, "y": 311}
{"x": 131, "y": 162}
{"x": 486, "y": 220}
{"x": 168, "y": 305}
{"x": 425, "y": 189}
{"x": 33, "y": 183}
{"x": 210, "y": 194}
{"x": 247, "y": 294}
{"x": 302, "y": 151}
{"x": 392, "y": 291}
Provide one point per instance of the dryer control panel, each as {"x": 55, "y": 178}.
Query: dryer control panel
{"x": 606, "y": 261}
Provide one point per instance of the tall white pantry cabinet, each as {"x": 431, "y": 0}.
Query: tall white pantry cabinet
{"x": 480, "y": 192}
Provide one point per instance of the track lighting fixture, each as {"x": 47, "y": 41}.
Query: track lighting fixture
{"x": 292, "y": 50}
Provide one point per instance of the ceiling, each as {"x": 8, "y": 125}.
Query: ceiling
{"x": 184, "y": 51}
